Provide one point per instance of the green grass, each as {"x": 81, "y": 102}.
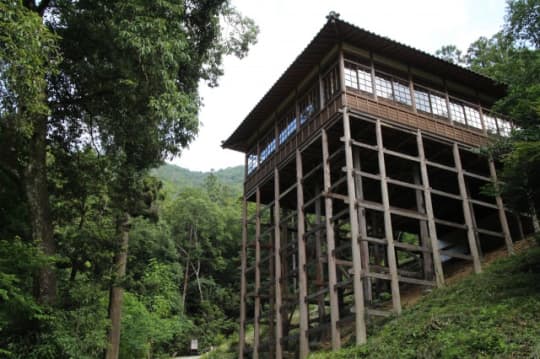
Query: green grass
{"x": 495, "y": 314}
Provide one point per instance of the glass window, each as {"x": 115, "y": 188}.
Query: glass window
{"x": 351, "y": 80}
{"x": 364, "y": 78}
{"x": 438, "y": 105}
{"x": 383, "y": 87}
{"x": 287, "y": 127}
{"x": 473, "y": 117}
{"x": 251, "y": 162}
{"x": 309, "y": 104}
{"x": 331, "y": 84}
{"x": 421, "y": 99}
{"x": 456, "y": 110}
{"x": 490, "y": 123}
{"x": 268, "y": 150}
{"x": 504, "y": 127}
{"x": 402, "y": 93}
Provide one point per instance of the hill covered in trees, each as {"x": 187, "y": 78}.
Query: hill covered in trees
{"x": 181, "y": 177}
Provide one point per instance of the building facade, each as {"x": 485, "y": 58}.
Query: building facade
{"x": 364, "y": 185}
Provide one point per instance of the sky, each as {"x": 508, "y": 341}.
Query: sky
{"x": 287, "y": 26}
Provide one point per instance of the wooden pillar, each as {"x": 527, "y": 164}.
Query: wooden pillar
{"x": 471, "y": 237}
{"x": 424, "y": 236}
{"x": 364, "y": 246}
{"x": 277, "y": 268}
{"x": 318, "y": 253}
{"x": 500, "y": 207}
{"x": 257, "y": 304}
{"x": 390, "y": 249}
{"x": 302, "y": 276}
{"x": 243, "y": 259}
{"x": 432, "y": 228}
{"x": 330, "y": 248}
{"x": 359, "y": 308}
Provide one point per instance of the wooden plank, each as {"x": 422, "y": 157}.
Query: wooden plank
{"x": 330, "y": 246}
{"x": 391, "y": 253}
{"x": 361, "y": 334}
{"x": 401, "y": 155}
{"x": 277, "y": 268}
{"x": 441, "y": 166}
{"x": 467, "y": 211}
{"x": 445, "y": 194}
{"x": 455, "y": 254}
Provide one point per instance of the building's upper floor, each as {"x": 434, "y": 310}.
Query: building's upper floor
{"x": 347, "y": 66}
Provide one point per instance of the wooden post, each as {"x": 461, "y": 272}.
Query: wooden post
{"x": 502, "y": 214}
{"x": 242, "y": 334}
{"x": 390, "y": 249}
{"x": 359, "y": 309}
{"x": 318, "y": 254}
{"x": 424, "y": 236}
{"x": 364, "y": 246}
{"x": 432, "y": 228}
{"x": 302, "y": 277}
{"x": 257, "y": 305}
{"x": 277, "y": 268}
{"x": 467, "y": 211}
{"x": 330, "y": 247}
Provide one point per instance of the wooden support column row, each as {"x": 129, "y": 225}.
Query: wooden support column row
{"x": 389, "y": 234}
{"x": 330, "y": 247}
{"x": 432, "y": 228}
{"x": 302, "y": 276}
{"x": 359, "y": 309}
{"x": 467, "y": 213}
{"x": 257, "y": 304}
{"x": 277, "y": 270}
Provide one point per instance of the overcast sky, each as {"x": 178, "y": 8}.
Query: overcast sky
{"x": 287, "y": 26}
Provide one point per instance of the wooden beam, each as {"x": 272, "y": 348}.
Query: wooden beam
{"x": 330, "y": 246}
{"x": 302, "y": 275}
{"x": 390, "y": 250}
{"x": 432, "y": 228}
{"x": 257, "y": 304}
{"x": 424, "y": 234}
{"x": 467, "y": 211}
{"x": 359, "y": 308}
{"x": 319, "y": 276}
{"x": 243, "y": 286}
{"x": 502, "y": 213}
{"x": 277, "y": 269}
{"x": 364, "y": 246}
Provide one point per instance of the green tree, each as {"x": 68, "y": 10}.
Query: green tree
{"x": 512, "y": 56}
{"x": 28, "y": 54}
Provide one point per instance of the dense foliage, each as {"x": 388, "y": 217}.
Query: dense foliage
{"x": 93, "y": 95}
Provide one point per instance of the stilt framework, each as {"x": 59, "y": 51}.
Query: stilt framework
{"x": 358, "y": 205}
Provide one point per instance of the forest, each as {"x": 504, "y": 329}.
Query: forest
{"x": 104, "y": 250}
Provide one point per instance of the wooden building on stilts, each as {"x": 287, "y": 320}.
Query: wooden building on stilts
{"x": 363, "y": 182}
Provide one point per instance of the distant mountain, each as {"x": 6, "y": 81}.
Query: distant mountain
{"x": 181, "y": 177}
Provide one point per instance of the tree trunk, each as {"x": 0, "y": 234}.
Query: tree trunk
{"x": 117, "y": 291}
{"x": 35, "y": 183}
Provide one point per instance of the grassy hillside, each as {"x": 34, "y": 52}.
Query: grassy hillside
{"x": 180, "y": 177}
{"x": 495, "y": 314}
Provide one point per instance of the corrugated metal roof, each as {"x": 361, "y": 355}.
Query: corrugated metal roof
{"x": 334, "y": 32}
